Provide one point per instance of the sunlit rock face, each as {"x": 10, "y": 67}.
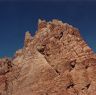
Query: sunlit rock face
{"x": 56, "y": 61}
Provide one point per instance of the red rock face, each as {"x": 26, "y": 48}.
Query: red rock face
{"x": 56, "y": 61}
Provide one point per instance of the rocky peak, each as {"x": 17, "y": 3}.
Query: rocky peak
{"x": 56, "y": 61}
{"x": 56, "y": 25}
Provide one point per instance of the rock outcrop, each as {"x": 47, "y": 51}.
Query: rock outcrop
{"x": 56, "y": 61}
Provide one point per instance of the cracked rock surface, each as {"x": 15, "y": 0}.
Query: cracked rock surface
{"x": 56, "y": 61}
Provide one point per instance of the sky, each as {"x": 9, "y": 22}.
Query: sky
{"x": 19, "y": 16}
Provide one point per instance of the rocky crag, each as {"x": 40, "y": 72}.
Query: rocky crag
{"x": 56, "y": 61}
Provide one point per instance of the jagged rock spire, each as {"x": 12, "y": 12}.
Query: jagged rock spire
{"x": 41, "y": 24}
{"x": 28, "y": 38}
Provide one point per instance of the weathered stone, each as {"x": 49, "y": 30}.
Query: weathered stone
{"x": 56, "y": 61}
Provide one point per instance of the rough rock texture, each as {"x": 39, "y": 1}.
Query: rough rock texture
{"x": 56, "y": 61}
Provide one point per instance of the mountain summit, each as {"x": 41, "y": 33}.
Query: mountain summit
{"x": 56, "y": 61}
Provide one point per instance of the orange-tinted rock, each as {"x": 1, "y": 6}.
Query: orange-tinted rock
{"x": 56, "y": 61}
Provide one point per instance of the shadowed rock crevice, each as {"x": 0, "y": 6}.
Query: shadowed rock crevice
{"x": 71, "y": 85}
